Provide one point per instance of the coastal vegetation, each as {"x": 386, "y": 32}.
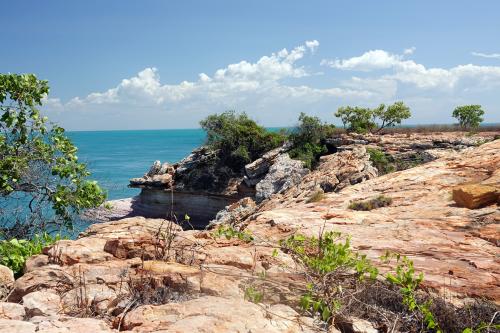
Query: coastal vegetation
{"x": 469, "y": 116}
{"x": 238, "y": 139}
{"x": 43, "y": 186}
{"x": 308, "y": 139}
{"x": 363, "y": 120}
{"x": 367, "y": 205}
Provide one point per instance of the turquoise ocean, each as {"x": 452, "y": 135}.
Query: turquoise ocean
{"x": 114, "y": 157}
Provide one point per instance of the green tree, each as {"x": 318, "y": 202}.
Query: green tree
{"x": 356, "y": 119}
{"x": 42, "y": 183}
{"x": 469, "y": 116}
{"x": 308, "y": 139}
{"x": 238, "y": 139}
{"x": 391, "y": 115}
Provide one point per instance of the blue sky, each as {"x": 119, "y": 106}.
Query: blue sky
{"x": 139, "y": 64}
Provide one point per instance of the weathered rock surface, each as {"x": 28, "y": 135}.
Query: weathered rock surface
{"x": 148, "y": 275}
{"x": 41, "y": 303}
{"x": 282, "y": 175}
{"x": 215, "y": 314}
{"x": 446, "y": 242}
{"x": 16, "y": 326}
{"x": 475, "y": 196}
{"x": 12, "y": 311}
{"x": 6, "y": 280}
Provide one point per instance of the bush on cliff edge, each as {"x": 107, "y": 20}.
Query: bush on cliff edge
{"x": 239, "y": 139}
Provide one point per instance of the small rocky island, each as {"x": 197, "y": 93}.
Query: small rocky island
{"x": 231, "y": 263}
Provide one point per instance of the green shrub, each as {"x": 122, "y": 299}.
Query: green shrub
{"x": 469, "y": 116}
{"x": 380, "y": 161}
{"x": 316, "y": 196}
{"x": 308, "y": 139}
{"x": 380, "y": 201}
{"x": 238, "y": 139}
{"x": 42, "y": 182}
{"x": 331, "y": 265}
{"x": 229, "y": 233}
{"x": 14, "y": 252}
{"x": 362, "y": 120}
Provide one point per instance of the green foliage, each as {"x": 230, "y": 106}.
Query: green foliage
{"x": 229, "y": 233}
{"x": 356, "y": 119}
{"x": 405, "y": 277}
{"x": 238, "y": 139}
{"x": 362, "y": 120}
{"x": 380, "y": 161}
{"x": 253, "y": 295}
{"x": 380, "y": 201}
{"x": 38, "y": 164}
{"x": 391, "y": 115}
{"x": 308, "y": 139}
{"x": 469, "y": 116}
{"x": 14, "y": 252}
{"x": 331, "y": 264}
{"x": 316, "y": 196}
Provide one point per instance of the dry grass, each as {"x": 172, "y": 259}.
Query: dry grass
{"x": 366, "y": 205}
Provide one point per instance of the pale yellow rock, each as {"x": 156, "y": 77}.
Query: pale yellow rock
{"x": 474, "y": 196}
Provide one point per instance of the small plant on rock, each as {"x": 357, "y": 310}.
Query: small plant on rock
{"x": 366, "y": 205}
{"x": 229, "y": 233}
{"x": 14, "y": 252}
{"x": 380, "y": 161}
{"x": 332, "y": 268}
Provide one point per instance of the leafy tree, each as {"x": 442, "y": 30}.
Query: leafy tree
{"x": 238, "y": 139}
{"x": 469, "y": 116}
{"x": 391, "y": 115}
{"x": 42, "y": 184}
{"x": 356, "y": 119}
{"x": 308, "y": 139}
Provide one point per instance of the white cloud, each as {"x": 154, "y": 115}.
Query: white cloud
{"x": 410, "y": 72}
{"x": 272, "y": 89}
{"x": 410, "y": 50}
{"x": 368, "y": 61}
{"x": 486, "y": 55}
{"x": 312, "y": 45}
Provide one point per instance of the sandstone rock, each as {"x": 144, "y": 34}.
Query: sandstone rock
{"x": 51, "y": 277}
{"x": 260, "y": 166}
{"x": 212, "y": 314}
{"x": 41, "y": 303}
{"x": 154, "y": 169}
{"x": 6, "y": 280}
{"x": 35, "y": 261}
{"x": 74, "y": 325}
{"x": 282, "y": 175}
{"x": 16, "y": 326}
{"x": 235, "y": 212}
{"x": 357, "y": 325}
{"x": 474, "y": 196}
{"x": 12, "y": 311}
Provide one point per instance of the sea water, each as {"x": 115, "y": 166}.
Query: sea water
{"x": 114, "y": 157}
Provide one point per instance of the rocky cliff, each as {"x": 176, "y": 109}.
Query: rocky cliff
{"x": 149, "y": 275}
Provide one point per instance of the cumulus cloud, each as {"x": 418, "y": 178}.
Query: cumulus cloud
{"x": 410, "y": 50}
{"x": 411, "y": 72}
{"x": 486, "y": 55}
{"x": 273, "y": 90}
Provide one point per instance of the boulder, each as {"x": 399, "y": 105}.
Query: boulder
{"x": 356, "y": 325}
{"x": 6, "y": 280}
{"x": 41, "y": 303}
{"x": 235, "y": 212}
{"x": 16, "y": 326}
{"x": 155, "y": 169}
{"x": 474, "y": 196}
{"x": 74, "y": 325}
{"x": 12, "y": 311}
{"x": 260, "y": 166}
{"x": 282, "y": 175}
